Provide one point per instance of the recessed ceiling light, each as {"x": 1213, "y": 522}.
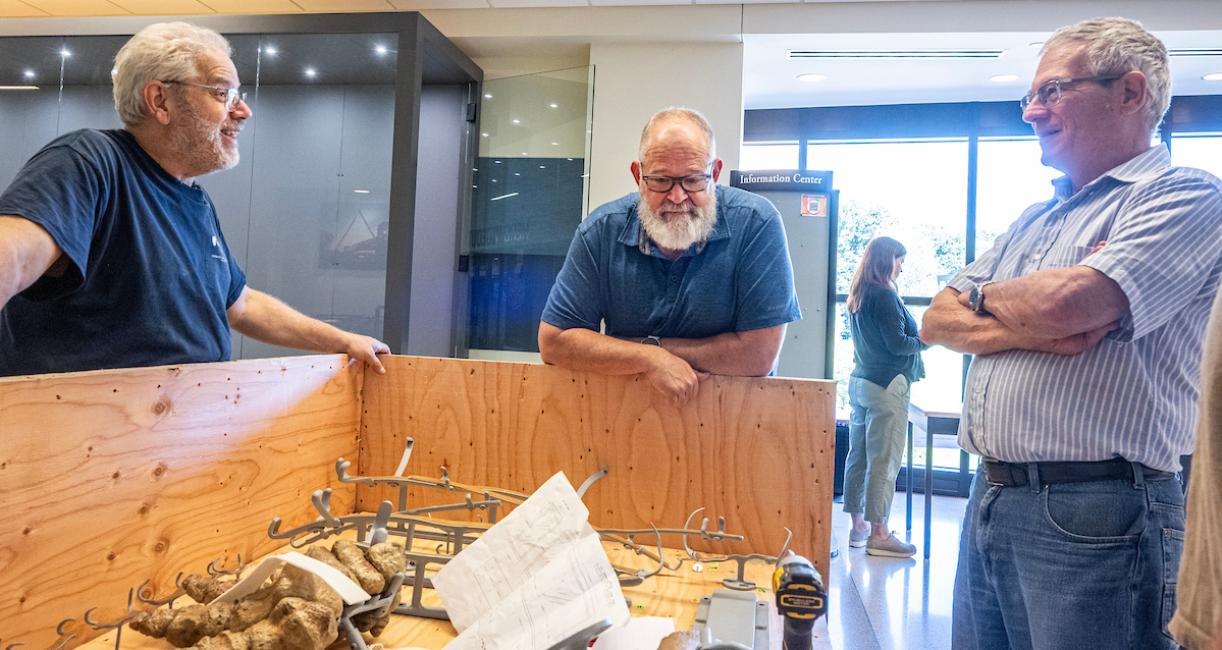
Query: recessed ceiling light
{"x": 553, "y": 105}
{"x": 271, "y": 50}
{"x": 517, "y": 173}
{"x": 29, "y": 74}
{"x": 360, "y": 191}
{"x": 542, "y": 166}
{"x": 1004, "y": 78}
{"x": 311, "y": 72}
{"x": 497, "y": 162}
{"x": 483, "y": 135}
{"x": 569, "y": 159}
{"x": 380, "y": 49}
{"x": 555, "y": 144}
{"x": 516, "y": 121}
{"x": 525, "y": 154}
{"x": 811, "y": 77}
{"x": 1213, "y": 76}
{"x": 487, "y": 95}
{"x": 65, "y": 53}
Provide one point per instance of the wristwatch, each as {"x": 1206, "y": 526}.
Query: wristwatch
{"x": 975, "y": 299}
{"x": 652, "y": 340}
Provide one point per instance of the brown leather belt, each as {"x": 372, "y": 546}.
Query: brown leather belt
{"x": 1016, "y": 474}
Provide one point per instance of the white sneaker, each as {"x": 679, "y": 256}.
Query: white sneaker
{"x": 890, "y": 547}
{"x": 856, "y": 539}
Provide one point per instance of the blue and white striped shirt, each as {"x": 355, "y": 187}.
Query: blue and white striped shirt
{"x": 1135, "y": 394}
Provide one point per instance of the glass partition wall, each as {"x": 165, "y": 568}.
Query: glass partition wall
{"x": 530, "y": 193}
{"x": 308, "y": 211}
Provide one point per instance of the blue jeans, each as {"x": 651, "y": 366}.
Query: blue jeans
{"x": 1071, "y": 565}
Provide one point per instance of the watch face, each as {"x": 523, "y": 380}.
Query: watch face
{"x": 974, "y": 299}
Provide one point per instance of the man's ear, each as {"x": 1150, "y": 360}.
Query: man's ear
{"x": 716, "y": 169}
{"x": 636, "y": 171}
{"x": 1135, "y": 87}
{"x": 156, "y": 101}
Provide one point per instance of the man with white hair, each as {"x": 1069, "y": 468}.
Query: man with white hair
{"x": 1086, "y": 319}
{"x": 691, "y": 278}
{"x": 111, "y": 255}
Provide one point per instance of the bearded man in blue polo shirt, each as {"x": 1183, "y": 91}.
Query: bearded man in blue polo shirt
{"x": 111, "y": 255}
{"x": 1086, "y": 319}
{"x": 691, "y": 278}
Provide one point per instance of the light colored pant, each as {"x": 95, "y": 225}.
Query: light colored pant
{"x": 876, "y": 446}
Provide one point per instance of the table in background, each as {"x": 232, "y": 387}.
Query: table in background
{"x": 943, "y": 419}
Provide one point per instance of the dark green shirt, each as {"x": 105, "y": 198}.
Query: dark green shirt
{"x": 885, "y": 338}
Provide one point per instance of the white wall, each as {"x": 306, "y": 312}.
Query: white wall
{"x": 634, "y": 80}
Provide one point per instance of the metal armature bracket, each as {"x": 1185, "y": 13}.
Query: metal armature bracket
{"x": 322, "y": 503}
{"x": 626, "y": 537}
{"x": 407, "y": 454}
{"x": 492, "y": 497}
{"x": 64, "y": 636}
{"x": 214, "y": 570}
{"x": 146, "y": 586}
{"x": 643, "y": 574}
{"x": 380, "y": 604}
{"x": 591, "y": 480}
{"x": 377, "y": 530}
{"x": 740, "y": 582}
{"x": 419, "y": 563}
{"x": 116, "y": 625}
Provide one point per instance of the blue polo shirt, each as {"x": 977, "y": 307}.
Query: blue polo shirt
{"x": 739, "y": 279}
{"x": 149, "y": 276}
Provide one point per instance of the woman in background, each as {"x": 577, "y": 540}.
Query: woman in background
{"x": 887, "y": 357}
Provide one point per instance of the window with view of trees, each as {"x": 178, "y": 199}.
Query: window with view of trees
{"x": 945, "y": 180}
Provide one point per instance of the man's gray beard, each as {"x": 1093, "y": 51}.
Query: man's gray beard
{"x": 200, "y": 145}
{"x": 679, "y": 233}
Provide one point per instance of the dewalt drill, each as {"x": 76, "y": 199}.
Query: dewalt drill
{"x": 800, "y": 599}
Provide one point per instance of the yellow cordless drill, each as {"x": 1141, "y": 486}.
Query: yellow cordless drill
{"x": 800, "y": 599}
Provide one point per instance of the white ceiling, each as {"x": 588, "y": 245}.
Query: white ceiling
{"x": 507, "y": 41}
{"x": 770, "y": 79}
{"x": 44, "y": 8}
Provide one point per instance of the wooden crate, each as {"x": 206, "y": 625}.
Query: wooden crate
{"x": 112, "y": 477}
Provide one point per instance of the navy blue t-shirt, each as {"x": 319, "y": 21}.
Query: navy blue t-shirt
{"x": 149, "y": 275}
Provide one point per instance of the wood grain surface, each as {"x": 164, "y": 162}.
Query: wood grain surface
{"x": 756, "y": 451}
{"x": 108, "y": 478}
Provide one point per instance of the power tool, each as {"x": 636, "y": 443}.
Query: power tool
{"x": 800, "y": 599}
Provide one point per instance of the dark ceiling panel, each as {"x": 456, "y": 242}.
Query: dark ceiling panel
{"x": 336, "y": 58}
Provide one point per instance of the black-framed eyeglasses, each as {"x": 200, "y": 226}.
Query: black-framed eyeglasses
{"x": 1050, "y": 92}
{"x": 223, "y": 94}
{"x": 690, "y": 184}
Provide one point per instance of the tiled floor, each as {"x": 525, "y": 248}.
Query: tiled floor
{"x": 891, "y": 603}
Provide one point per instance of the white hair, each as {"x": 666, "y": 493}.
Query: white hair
{"x": 678, "y": 113}
{"x": 162, "y": 51}
{"x": 1119, "y": 45}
